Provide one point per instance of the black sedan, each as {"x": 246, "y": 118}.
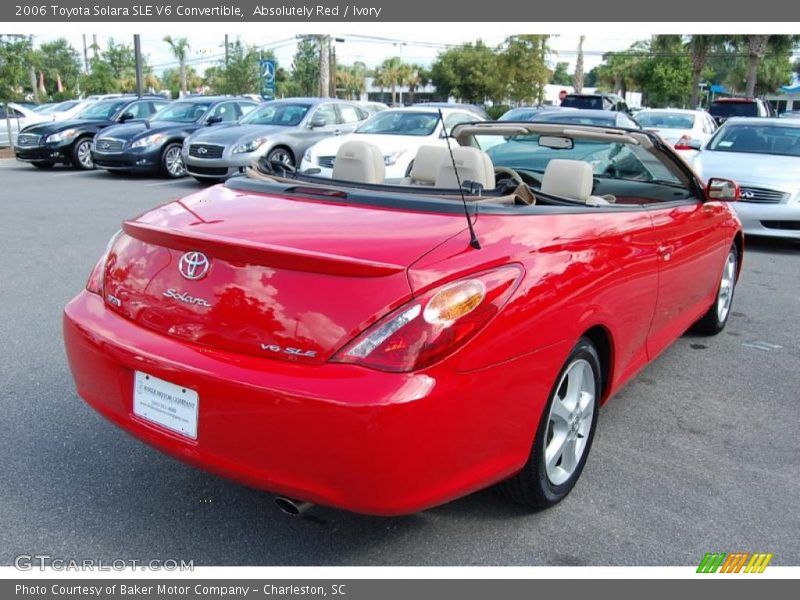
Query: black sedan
{"x": 155, "y": 145}
{"x": 69, "y": 142}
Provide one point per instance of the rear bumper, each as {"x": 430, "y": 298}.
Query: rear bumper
{"x": 773, "y": 220}
{"x": 339, "y": 435}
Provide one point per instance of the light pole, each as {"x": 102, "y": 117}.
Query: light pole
{"x": 137, "y": 50}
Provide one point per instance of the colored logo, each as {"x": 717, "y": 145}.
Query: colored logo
{"x": 736, "y": 562}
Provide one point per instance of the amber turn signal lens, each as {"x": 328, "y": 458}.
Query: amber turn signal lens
{"x": 454, "y": 301}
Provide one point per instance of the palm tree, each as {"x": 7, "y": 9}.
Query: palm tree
{"x": 415, "y": 76}
{"x": 179, "y": 47}
{"x": 698, "y": 44}
{"x": 391, "y": 73}
{"x": 577, "y": 80}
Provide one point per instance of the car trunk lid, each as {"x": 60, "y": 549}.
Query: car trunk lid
{"x": 268, "y": 275}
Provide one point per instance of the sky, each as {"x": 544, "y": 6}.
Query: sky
{"x": 411, "y": 45}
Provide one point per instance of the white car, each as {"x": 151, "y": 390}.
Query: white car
{"x": 18, "y": 117}
{"x": 397, "y": 132}
{"x": 685, "y": 130}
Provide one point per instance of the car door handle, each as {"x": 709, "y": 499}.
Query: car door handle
{"x": 665, "y": 251}
{"x": 337, "y": 132}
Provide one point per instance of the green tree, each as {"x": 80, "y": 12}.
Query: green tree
{"x": 15, "y": 54}
{"x": 391, "y": 72}
{"x": 58, "y": 60}
{"x": 416, "y": 76}
{"x": 180, "y": 49}
{"x": 100, "y": 79}
{"x": 171, "y": 80}
{"x": 468, "y": 72}
{"x": 241, "y": 74}
{"x": 665, "y": 75}
{"x": 522, "y": 68}
{"x": 305, "y": 65}
{"x": 561, "y": 74}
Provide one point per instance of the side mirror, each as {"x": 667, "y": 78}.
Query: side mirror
{"x": 127, "y": 116}
{"x": 722, "y": 189}
{"x": 213, "y": 120}
{"x": 317, "y": 121}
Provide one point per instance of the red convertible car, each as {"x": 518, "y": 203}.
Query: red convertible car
{"x": 388, "y": 348}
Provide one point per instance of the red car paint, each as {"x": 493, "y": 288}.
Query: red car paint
{"x": 314, "y": 274}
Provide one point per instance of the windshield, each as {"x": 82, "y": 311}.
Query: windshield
{"x": 734, "y": 109}
{"x": 278, "y": 113}
{"x": 520, "y": 114}
{"x": 401, "y": 123}
{"x": 58, "y": 107}
{"x": 609, "y": 160}
{"x": 579, "y": 118}
{"x": 591, "y": 102}
{"x": 665, "y": 120}
{"x": 102, "y": 111}
{"x": 757, "y": 139}
{"x": 182, "y": 112}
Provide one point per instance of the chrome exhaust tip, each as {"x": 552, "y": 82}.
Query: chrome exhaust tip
{"x": 292, "y": 507}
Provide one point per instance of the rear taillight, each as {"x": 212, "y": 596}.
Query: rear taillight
{"x": 433, "y": 325}
{"x": 684, "y": 143}
{"x": 95, "y": 283}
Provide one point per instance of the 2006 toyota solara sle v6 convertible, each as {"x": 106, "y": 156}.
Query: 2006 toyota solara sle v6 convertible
{"x": 388, "y": 348}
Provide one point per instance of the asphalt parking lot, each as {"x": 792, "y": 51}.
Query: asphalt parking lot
{"x": 700, "y": 453}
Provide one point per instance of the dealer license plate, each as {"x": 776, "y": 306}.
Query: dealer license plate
{"x": 166, "y": 404}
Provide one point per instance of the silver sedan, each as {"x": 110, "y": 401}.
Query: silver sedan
{"x": 763, "y": 156}
{"x": 280, "y": 130}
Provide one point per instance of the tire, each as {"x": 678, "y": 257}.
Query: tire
{"x": 717, "y": 316}
{"x": 208, "y": 180}
{"x": 541, "y": 486}
{"x": 282, "y": 154}
{"x": 172, "y": 162}
{"x": 82, "y": 154}
{"x": 43, "y": 165}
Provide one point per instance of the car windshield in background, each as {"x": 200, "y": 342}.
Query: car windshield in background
{"x": 757, "y": 139}
{"x": 665, "y": 120}
{"x": 578, "y": 118}
{"x": 288, "y": 115}
{"x": 590, "y": 102}
{"x": 734, "y": 109}
{"x": 401, "y": 123}
{"x": 521, "y": 114}
{"x": 182, "y": 112}
{"x": 101, "y": 111}
{"x": 59, "y": 107}
{"x": 610, "y": 160}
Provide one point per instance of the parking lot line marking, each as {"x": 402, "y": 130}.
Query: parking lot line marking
{"x": 160, "y": 183}
{"x": 73, "y": 173}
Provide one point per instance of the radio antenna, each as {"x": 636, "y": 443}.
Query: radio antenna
{"x": 473, "y": 238}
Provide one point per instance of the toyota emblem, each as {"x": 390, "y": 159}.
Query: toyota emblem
{"x": 194, "y": 265}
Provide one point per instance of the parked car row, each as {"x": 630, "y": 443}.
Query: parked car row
{"x": 215, "y": 138}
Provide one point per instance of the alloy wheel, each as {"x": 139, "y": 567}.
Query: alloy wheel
{"x": 174, "y": 162}
{"x": 569, "y": 422}
{"x": 84, "y": 154}
{"x": 725, "y": 295}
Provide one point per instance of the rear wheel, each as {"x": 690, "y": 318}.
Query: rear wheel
{"x": 172, "y": 162}
{"x": 565, "y": 433}
{"x": 716, "y": 318}
{"x": 82, "y": 154}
